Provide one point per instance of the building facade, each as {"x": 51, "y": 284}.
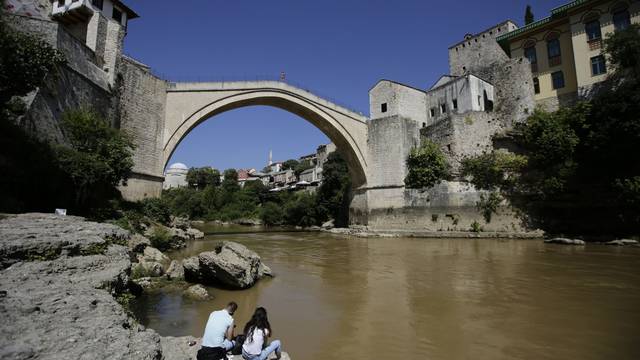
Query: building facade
{"x": 565, "y": 48}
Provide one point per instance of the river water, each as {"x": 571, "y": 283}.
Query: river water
{"x": 394, "y": 298}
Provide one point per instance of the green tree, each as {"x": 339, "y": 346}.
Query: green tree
{"x": 230, "y": 182}
{"x": 98, "y": 157}
{"x": 528, "y": 15}
{"x": 427, "y": 166}
{"x": 202, "y": 177}
{"x": 623, "y": 50}
{"x": 272, "y": 214}
{"x": 301, "y": 211}
{"x": 290, "y": 164}
{"x": 334, "y": 194}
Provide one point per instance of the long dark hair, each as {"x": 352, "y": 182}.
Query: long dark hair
{"x": 258, "y": 320}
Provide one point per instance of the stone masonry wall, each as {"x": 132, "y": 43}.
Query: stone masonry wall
{"x": 390, "y": 140}
{"x": 476, "y": 51}
{"x": 80, "y": 83}
{"x": 142, "y": 108}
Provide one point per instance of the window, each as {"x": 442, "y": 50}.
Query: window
{"x": 117, "y": 15}
{"x": 553, "y": 49}
{"x": 598, "y": 65}
{"x": 530, "y": 53}
{"x": 383, "y": 107}
{"x": 592, "y": 28}
{"x": 443, "y": 108}
{"x": 536, "y": 85}
{"x": 557, "y": 79}
{"x": 432, "y": 111}
{"x": 621, "y": 19}
{"x": 97, "y": 3}
{"x": 454, "y": 103}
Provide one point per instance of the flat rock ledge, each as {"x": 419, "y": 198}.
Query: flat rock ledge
{"x": 62, "y": 283}
{"x": 177, "y": 348}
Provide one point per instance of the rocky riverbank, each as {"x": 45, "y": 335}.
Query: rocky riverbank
{"x": 63, "y": 284}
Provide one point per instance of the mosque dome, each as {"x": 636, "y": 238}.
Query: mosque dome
{"x": 177, "y": 168}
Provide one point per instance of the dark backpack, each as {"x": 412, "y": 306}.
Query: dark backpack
{"x": 237, "y": 348}
{"x": 211, "y": 353}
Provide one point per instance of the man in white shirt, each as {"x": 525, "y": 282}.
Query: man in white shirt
{"x": 219, "y": 330}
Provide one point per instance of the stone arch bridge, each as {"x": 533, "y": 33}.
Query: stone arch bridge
{"x": 189, "y": 104}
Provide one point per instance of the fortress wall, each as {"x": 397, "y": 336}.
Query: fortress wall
{"x": 476, "y": 51}
{"x": 390, "y": 140}
{"x": 80, "y": 83}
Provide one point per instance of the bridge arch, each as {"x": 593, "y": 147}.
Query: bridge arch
{"x": 189, "y": 104}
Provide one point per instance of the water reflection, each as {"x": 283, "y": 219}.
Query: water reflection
{"x": 427, "y": 298}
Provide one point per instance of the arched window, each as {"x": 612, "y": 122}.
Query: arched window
{"x": 621, "y": 19}
{"x": 553, "y": 49}
{"x": 531, "y": 55}
{"x": 592, "y": 29}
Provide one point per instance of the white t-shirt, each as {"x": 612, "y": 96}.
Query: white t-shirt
{"x": 253, "y": 346}
{"x": 217, "y": 325}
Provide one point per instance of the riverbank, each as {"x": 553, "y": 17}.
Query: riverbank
{"x": 64, "y": 286}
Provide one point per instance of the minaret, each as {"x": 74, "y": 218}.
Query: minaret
{"x": 270, "y": 157}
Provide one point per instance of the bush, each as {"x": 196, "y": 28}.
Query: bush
{"x": 271, "y": 214}
{"x": 427, "y": 166}
{"x": 160, "y": 238}
{"x": 497, "y": 169}
{"x": 156, "y": 209}
{"x": 489, "y": 204}
{"x": 301, "y": 211}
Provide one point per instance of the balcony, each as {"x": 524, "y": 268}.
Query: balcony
{"x": 595, "y": 44}
{"x": 72, "y": 11}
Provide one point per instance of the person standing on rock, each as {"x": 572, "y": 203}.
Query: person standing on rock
{"x": 218, "y": 333}
{"x": 256, "y": 332}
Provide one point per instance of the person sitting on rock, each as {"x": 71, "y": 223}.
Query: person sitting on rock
{"x": 256, "y": 332}
{"x": 218, "y": 333}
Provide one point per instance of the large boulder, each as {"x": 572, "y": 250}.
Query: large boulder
{"x": 137, "y": 243}
{"x": 175, "y": 271}
{"x": 146, "y": 269}
{"x": 231, "y": 264}
{"x": 155, "y": 255}
{"x": 181, "y": 348}
{"x": 197, "y": 292}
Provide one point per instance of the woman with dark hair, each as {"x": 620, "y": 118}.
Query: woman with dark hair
{"x": 256, "y": 332}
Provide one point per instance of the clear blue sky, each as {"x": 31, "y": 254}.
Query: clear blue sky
{"x": 336, "y": 48}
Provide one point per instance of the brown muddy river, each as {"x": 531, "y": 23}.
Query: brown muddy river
{"x": 353, "y": 298}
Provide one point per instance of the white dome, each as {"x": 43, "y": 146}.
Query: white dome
{"x": 178, "y": 166}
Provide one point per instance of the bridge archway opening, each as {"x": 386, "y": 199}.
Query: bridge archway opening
{"x": 310, "y": 111}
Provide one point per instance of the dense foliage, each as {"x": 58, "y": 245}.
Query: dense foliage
{"x": 426, "y": 165}
{"x": 202, "y": 177}
{"x": 98, "y": 159}
{"x": 578, "y": 172}
{"x": 227, "y": 201}
{"x": 25, "y": 61}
